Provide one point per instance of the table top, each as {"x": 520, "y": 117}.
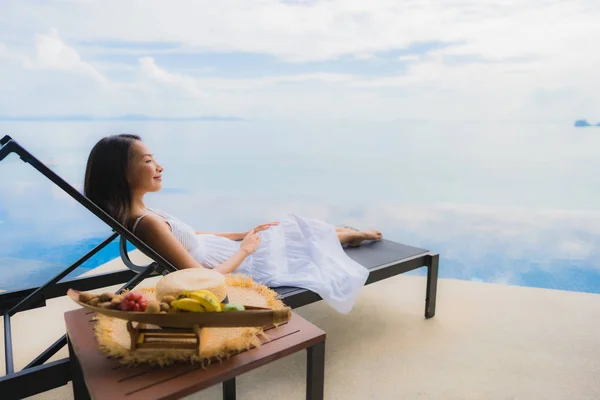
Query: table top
{"x": 106, "y": 378}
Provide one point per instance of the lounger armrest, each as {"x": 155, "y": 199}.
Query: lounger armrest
{"x": 130, "y": 264}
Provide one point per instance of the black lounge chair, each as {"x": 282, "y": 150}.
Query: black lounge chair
{"x": 383, "y": 258}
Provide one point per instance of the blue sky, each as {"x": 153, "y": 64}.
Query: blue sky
{"x": 173, "y": 56}
{"x": 301, "y": 60}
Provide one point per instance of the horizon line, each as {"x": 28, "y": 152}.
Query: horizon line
{"x": 125, "y": 117}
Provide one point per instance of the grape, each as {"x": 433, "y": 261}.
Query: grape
{"x": 134, "y": 301}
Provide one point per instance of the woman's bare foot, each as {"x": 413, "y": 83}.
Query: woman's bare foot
{"x": 361, "y": 236}
{"x": 373, "y": 234}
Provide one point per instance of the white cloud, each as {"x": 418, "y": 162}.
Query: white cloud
{"x": 149, "y": 67}
{"x": 408, "y": 58}
{"x": 506, "y": 278}
{"x": 575, "y": 248}
{"x": 264, "y": 97}
{"x": 11, "y": 56}
{"x": 514, "y": 60}
{"x": 517, "y": 231}
{"x": 365, "y": 56}
{"x": 328, "y": 29}
{"x": 4, "y": 51}
{"x": 53, "y": 54}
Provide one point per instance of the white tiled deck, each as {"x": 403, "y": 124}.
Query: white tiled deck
{"x": 485, "y": 342}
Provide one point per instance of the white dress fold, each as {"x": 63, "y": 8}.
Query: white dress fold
{"x": 299, "y": 252}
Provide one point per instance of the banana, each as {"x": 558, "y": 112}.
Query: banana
{"x": 200, "y": 292}
{"x": 187, "y": 304}
{"x": 206, "y": 299}
{"x": 210, "y": 294}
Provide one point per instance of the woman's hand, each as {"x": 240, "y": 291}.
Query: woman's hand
{"x": 250, "y": 242}
{"x": 264, "y": 226}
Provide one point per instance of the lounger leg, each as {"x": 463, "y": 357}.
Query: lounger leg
{"x": 80, "y": 391}
{"x": 432, "y": 278}
{"x": 229, "y": 389}
{"x": 315, "y": 372}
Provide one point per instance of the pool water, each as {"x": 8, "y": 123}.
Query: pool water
{"x": 512, "y": 203}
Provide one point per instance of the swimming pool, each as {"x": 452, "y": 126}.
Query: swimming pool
{"x": 494, "y": 209}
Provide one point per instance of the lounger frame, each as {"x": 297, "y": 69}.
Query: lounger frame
{"x": 415, "y": 258}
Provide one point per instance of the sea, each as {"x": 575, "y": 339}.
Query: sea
{"x": 508, "y": 202}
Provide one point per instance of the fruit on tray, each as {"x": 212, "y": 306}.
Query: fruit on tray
{"x": 196, "y": 301}
{"x": 105, "y": 300}
{"x": 188, "y": 301}
{"x": 116, "y": 300}
{"x": 187, "y": 304}
{"x": 153, "y": 307}
{"x": 106, "y": 296}
{"x": 134, "y": 301}
{"x": 93, "y": 302}
{"x": 232, "y": 307}
{"x": 86, "y": 297}
{"x": 168, "y": 299}
{"x": 207, "y": 299}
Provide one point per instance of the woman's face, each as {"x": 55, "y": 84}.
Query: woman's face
{"x": 144, "y": 174}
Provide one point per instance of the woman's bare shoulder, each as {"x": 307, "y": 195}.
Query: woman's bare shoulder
{"x": 152, "y": 225}
{"x": 156, "y": 232}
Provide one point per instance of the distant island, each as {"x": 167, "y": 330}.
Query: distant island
{"x": 582, "y": 122}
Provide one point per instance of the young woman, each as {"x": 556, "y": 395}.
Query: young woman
{"x": 294, "y": 251}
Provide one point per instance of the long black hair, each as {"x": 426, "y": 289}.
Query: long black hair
{"x": 106, "y": 176}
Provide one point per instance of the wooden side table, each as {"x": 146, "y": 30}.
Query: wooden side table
{"x": 96, "y": 376}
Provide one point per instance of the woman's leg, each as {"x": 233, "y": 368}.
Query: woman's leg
{"x": 349, "y": 236}
{"x": 354, "y": 238}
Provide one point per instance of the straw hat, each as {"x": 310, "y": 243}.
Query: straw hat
{"x": 215, "y": 343}
{"x": 192, "y": 279}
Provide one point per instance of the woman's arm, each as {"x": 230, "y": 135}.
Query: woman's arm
{"x": 239, "y": 235}
{"x": 157, "y": 234}
{"x": 228, "y": 235}
{"x": 233, "y": 263}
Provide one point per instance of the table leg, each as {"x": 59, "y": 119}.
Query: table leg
{"x": 432, "y": 278}
{"x": 80, "y": 391}
{"x": 315, "y": 371}
{"x": 229, "y": 389}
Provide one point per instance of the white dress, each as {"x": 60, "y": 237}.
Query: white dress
{"x": 299, "y": 252}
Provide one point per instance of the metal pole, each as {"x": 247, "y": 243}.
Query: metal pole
{"x": 8, "y": 351}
